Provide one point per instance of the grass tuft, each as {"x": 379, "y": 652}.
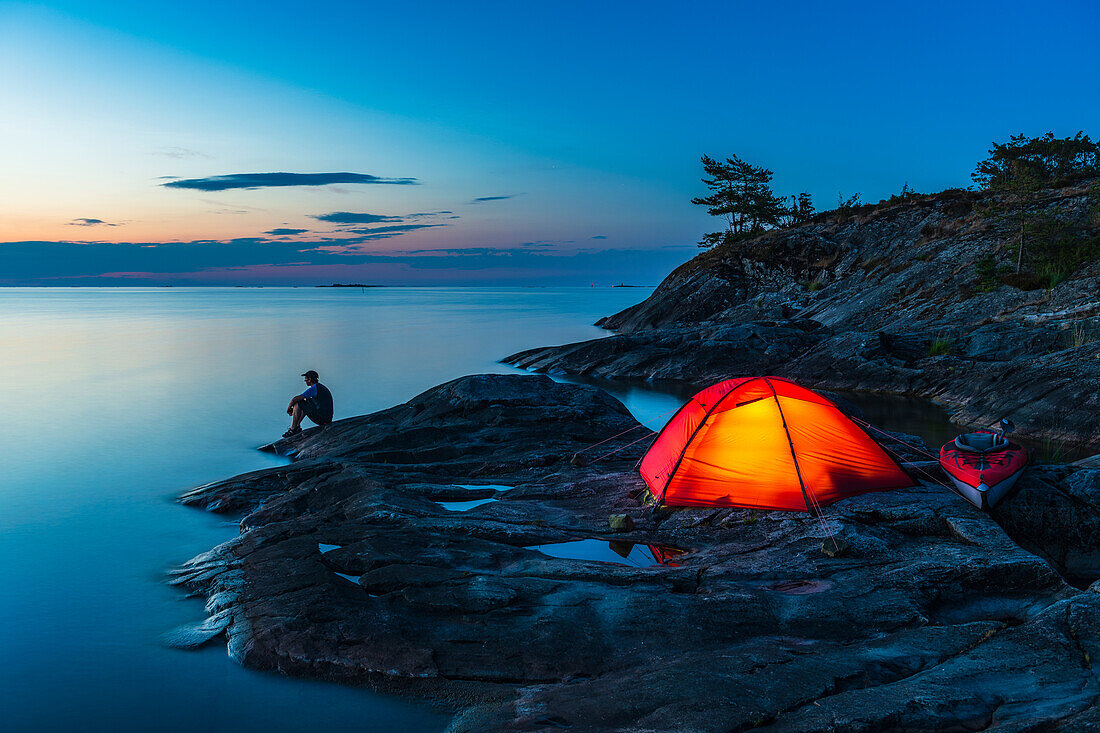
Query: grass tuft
{"x": 941, "y": 346}
{"x": 1080, "y": 334}
{"x": 813, "y": 285}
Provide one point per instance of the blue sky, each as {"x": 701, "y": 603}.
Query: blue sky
{"x": 490, "y": 142}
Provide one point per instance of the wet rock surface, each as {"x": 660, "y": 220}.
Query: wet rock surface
{"x": 888, "y": 301}
{"x": 934, "y": 616}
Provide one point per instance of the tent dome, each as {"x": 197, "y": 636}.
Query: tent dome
{"x": 765, "y": 443}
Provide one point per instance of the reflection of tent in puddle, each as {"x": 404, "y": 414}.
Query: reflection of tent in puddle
{"x": 620, "y": 553}
{"x": 665, "y": 555}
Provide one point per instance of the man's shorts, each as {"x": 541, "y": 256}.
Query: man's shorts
{"x": 310, "y": 408}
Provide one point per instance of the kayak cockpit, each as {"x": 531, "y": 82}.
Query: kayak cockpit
{"x": 981, "y": 442}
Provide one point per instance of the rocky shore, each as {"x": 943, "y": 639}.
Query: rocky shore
{"x": 900, "y": 610}
{"x": 916, "y": 298}
{"x": 442, "y": 548}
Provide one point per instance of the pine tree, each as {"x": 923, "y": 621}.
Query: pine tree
{"x": 740, "y": 193}
{"x": 1017, "y": 170}
{"x": 1033, "y": 161}
{"x": 803, "y": 208}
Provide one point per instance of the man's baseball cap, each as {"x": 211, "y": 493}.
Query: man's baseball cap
{"x": 311, "y": 374}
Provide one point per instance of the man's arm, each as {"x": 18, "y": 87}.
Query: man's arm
{"x": 310, "y": 392}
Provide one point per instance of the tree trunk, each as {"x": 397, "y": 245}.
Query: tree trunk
{"x": 1020, "y": 256}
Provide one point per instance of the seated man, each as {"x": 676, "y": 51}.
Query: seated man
{"x": 315, "y": 403}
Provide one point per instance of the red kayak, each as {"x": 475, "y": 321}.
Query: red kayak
{"x": 983, "y": 466}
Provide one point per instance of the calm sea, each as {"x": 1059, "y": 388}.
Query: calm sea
{"x": 116, "y": 400}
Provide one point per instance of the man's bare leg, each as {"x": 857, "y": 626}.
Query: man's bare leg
{"x": 297, "y": 413}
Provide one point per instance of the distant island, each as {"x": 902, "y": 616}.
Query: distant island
{"x": 349, "y": 285}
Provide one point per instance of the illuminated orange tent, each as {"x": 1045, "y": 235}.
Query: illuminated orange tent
{"x": 765, "y": 443}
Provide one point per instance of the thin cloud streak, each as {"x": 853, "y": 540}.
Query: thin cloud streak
{"x": 394, "y": 228}
{"x": 483, "y": 199}
{"x": 179, "y": 153}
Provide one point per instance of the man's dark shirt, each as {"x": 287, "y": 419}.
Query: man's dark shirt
{"x": 320, "y": 399}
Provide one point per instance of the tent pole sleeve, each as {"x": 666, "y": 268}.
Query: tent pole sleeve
{"x": 786, "y": 431}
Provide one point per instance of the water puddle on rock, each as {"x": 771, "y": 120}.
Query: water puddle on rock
{"x": 463, "y": 506}
{"x": 323, "y": 548}
{"x": 798, "y": 586}
{"x": 620, "y": 553}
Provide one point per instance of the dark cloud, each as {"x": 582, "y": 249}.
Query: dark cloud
{"x": 269, "y": 180}
{"x": 483, "y": 199}
{"x": 281, "y": 232}
{"x": 350, "y": 217}
{"x": 462, "y": 251}
{"x": 83, "y": 222}
{"x": 547, "y": 243}
{"x": 364, "y": 236}
{"x": 295, "y": 262}
{"x": 600, "y": 236}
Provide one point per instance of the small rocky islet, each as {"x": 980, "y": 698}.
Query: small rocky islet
{"x": 901, "y": 610}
